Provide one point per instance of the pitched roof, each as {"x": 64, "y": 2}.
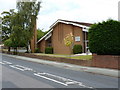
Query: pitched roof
{"x": 85, "y": 26}
{"x": 71, "y": 22}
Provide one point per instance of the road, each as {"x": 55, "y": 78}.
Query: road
{"x": 17, "y": 73}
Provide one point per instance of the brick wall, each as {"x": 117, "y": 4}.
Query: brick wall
{"x": 106, "y": 61}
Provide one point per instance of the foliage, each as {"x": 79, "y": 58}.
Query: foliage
{"x": 8, "y": 43}
{"x": 18, "y": 34}
{"x": 17, "y": 27}
{"x": 40, "y": 33}
{"x": 49, "y": 50}
{"x": 68, "y": 40}
{"x": 77, "y": 49}
{"x": 7, "y": 24}
{"x": 104, "y": 38}
{"x": 37, "y": 50}
{"x": 28, "y": 11}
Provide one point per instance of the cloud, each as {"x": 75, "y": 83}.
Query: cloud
{"x": 78, "y": 10}
{"x": 6, "y": 5}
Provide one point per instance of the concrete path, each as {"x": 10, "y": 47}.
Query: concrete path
{"x": 103, "y": 71}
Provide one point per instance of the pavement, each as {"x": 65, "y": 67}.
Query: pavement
{"x": 102, "y": 71}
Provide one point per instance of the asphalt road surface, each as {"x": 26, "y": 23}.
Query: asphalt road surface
{"x": 17, "y": 73}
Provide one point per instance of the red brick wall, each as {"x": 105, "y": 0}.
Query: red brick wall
{"x": 42, "y": 45}
{"x": 106, "y": 61}
{"x": 59, "y": 33}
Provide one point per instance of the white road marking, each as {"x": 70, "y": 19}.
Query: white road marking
{"x": 22, "y": 68}
{"x": 7, "y": 62}
{"x": 25, "y": 68}
{"x": 2, "y": 63}
{"x": 50, "y": 79}
{"x": 65, "y": 82}
{"x": 16, "y": 67}
{"x": 48, "y": 76}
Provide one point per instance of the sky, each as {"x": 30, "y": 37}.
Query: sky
{"x": 89, "y": 11}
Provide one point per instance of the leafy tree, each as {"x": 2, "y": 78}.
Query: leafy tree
{"x": 18, "y": 35}
{"x": 8, "y": 43}
{"x": 6, "y": 24}
{"x": 40, "y": 33}
{"x": 28, "y": 11}
{"x": 104, "y": 38}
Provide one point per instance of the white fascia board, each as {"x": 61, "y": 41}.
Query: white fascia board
{"x": 48, "y": 36}
{"x": 45, "y": 35}
{"x": 85, "y": 28}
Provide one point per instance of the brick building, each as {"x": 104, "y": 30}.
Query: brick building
{"x": 58, "y": 30}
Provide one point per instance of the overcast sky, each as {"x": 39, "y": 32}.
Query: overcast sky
{"x": 89, "y": 11}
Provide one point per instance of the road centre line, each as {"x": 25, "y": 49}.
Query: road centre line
{"x": 16, "y": 67}
{"x": 7, "y": 62}
{"x": 2, "y": 63}
{"x": 50, "y": 79}
{"x": 65, "y": 80}
{"x": 48, "y": 76}
{"x": 25, "y": 68}
{"x": 22, "y": 68}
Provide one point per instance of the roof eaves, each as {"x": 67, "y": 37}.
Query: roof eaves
{"x": 44, "y": 36}
{"x": 67, "y": 22}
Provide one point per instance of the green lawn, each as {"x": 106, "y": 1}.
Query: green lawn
{"x": 82, "y": 57}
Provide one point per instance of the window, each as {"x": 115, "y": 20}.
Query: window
{"x": 77, "y": 38}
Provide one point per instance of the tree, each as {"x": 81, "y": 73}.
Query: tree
{"x": 40, "y": 33}
{"x": 8, "y": 43}
{"x": 28, "y": 11}
{"x": 17, "y": 34}
{"x": 104, "y": 38}
{"x": 7, "y": 24}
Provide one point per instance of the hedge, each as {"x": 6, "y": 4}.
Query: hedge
{"x": 37, "y": 50}
{"x": 77, "y": 49}
{"x": 104, "y": 38}
{"x": 49, "y": 50}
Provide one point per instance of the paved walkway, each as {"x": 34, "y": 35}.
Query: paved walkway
{"x": 103, "y": 71}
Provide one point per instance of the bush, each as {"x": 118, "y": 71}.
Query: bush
{"x": 77, "y": 49}
{"x": 49, "y": 50}
{"x": 104, "y": 38}
{"x": 37, "y": 50}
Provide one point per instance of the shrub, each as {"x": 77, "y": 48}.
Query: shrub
{"x": 77, "y": 49}
{"x": 49, "y": 50}
{"x": 104, "y": 38}
{"x": 37, "y": 50}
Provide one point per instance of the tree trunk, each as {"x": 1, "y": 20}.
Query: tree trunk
{"x": 8, "y": 49}
{"x": 27, "y": 49}
{"x": 16, "y": 50}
